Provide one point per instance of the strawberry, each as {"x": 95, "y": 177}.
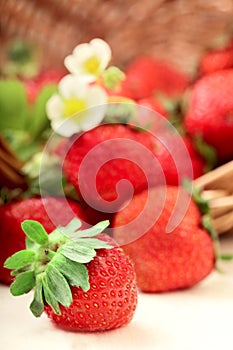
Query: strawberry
{"x": 215, "y": 60}
{"x": 81, "y": 278}
{"x": 147, "y": 76}
{"x": 210, "y": 112}
{"x": 106, "y": 174}
{"x": 165, "y": 261}
{"x": 122, "y": 90}
{"x": 48, "y": 212}
{"x": 34, "y": 85}
{"x": 153, "y": 104}
{"x": 176, "y": 145}
{"x": 105, "y": 166}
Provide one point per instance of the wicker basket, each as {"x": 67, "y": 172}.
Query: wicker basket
{"x": 176, "y": 30}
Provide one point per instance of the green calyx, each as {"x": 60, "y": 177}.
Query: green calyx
{"x": 206, "y": 220}
{"x": 206, "y": 151}
{"x": 204, "y": 208}
{"x": 50, "y": 264}
{"x": 112, "y": 77}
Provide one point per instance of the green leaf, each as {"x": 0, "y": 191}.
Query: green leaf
{"x": 92, "y": 231}
{"x": 72, "y": 227}
{"x": 206, "y": 151}
{"x": 112, "y": 77}
{"x": 13, "y": 105}
{"x": 77, "y": 253}
{"x": 94, "y": 243}
{"x": 30, "y": 245}
{"x": 75, "y": 273}
{"x": 50, "y": 298}
{"x": 207, "y": 224}
{"x": 35, "y": 231}
{"x": 23, "y": 283}
{"x": 58, "y": 285}
{"x": 21, "y": 270}
{"x": 37, "y": 305}
{"x": 226, "y": 257}
{"x": 19, "y": 259}
{"x": 195, "y": 192}
{"x": 40, "y": 120}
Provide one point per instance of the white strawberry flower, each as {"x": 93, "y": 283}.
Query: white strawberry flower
{"x": 71, "y": 109}
{"x": 89, "y": 60}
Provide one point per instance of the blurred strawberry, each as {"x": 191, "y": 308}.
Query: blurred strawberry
{"x": 217, "y": 59}
{"x": 165, "y": 261}
{"x": 210, "y": 112}
{"x": 114, "y": 152}
{"x": 147, "y": 76}
{"x": 153, "y": 104}
{"x": 175, "y": 168}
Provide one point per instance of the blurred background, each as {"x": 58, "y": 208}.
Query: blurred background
{"x": 177, "y": 30}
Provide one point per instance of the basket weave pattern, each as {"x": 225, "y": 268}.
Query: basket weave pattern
{"x": 176, "y": 30}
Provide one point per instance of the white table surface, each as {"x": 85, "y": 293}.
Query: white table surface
{"x": 200, "y": 318}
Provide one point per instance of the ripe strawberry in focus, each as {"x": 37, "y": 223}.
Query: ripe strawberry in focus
{"x": 166, "y": 261}
{"x": 210, "y": 112}
{"x": 111, "y": 153}
{"x": 34, "y": 85}
{"x": 147, "y": 76}
{"x": 111, "y": 300}
{"x": 81, "y": 279}
{"x": 11, "y": 215}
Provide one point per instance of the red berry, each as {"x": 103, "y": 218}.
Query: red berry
{"x": 175, "y": 168}
{"x": 209, "y": 113}
{"x": 111, "y": 300}
{"x": 166, "y": 261}
{"x": 216, "y": 60}
{"x": 147, "y": 76}
{"x": 81, "y": 278}
{"x": 153, "y": 104}
{"x": 120, "y": 153}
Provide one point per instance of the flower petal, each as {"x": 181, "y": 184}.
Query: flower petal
{"x": 93, "y": 118}
{"x": 65, "y": 127}
{"x": 78, "y": 62}
{"x": 102, "y": 51}
{"x": 96, "y": 96}
{"x": 70, "y": 86}
{"x": 54, "y": 107}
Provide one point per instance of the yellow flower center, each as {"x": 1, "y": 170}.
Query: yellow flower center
{"x": 91, "y": 65}
{"x": 73, "y": 106}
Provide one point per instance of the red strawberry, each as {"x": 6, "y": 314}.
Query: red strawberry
{"x": 210, "y": 112}
{"x": 11, "y": 215}
{"x": 83, "y": 282}
{"x": 146, "y": 76}
{"x": 34, "y": 85}
{"x": 121, "y": 154}
{"x": 175, "y": 168}
{"x": 153, "y": 104}
{"x": 216, "y": 60}
{"x": 122, "y": 90}
{"x": 166, "y": 261}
